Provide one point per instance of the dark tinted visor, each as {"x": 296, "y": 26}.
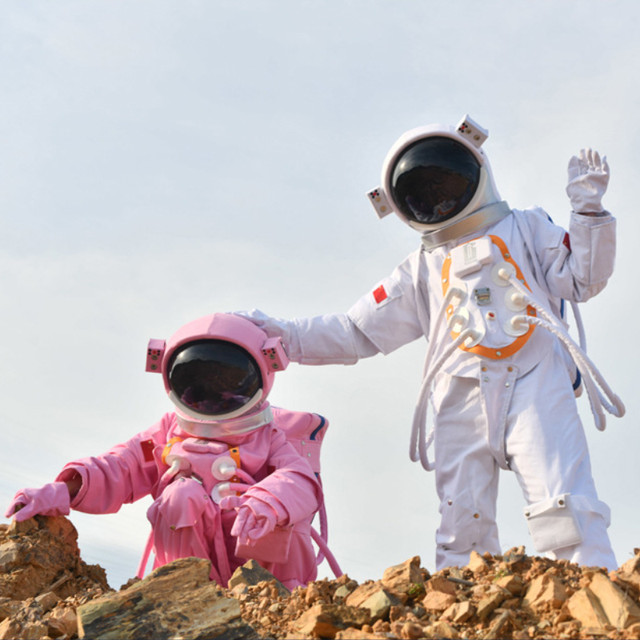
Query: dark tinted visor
{"x": 214, "y": 377}
{"x": 434, "y": 179}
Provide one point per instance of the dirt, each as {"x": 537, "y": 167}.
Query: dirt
{"x": 43, "y": 581}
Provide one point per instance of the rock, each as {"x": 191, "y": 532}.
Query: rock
{"x": 441, "y": 630}
{"x": 10, "y": 629}
{"x": 43, "y": 582}
{"x": 620, "y": 610}
{"x": 491, "y": 602}
{"x": 545, "y": 591}
{"x": 629, "y": 572}
{"x": 9, "y": 555}
{"x": 362, "y": 593}
{"x": 373, "y": 597}
{"x": 438, "y": 601}
{"x": 62, "y": 622}
{"x": 9, "y": 607}
{"x": 512, "y": 583}
{"x": 326, "y": 620}
{"x": 379, "y": 604}
{"x": 176, "y": 600}
{"x": 359, "y": 634}
{"x": 47, "y": 600}
{"x": 342, "y": 592}
{"x": 401, "y": 579}
{"x": 514, "y": 556}
{"x": 459, "y": 612}
{"x": 477, "y": 564}
{"x": 441, "y": 584}
{"x": 498, "y": 626}
{"x": 42, "y": 552}
{"x": 585, "y": 607}
{"x": 251, "y": 573}
{"x": 411, "y": 631}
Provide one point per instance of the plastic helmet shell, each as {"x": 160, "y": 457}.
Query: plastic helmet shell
{"x": 484, "y": 191}
{"x": 227, "y": 328}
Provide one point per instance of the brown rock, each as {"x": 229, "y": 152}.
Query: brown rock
{"x": 10, "y": 629}
{"x": 629, "y": 572}
{"x": 47, "y": 600}
{"x": 358, "y": 634}
{"x": 498, "y": 626}
{"x": 585, "y": 607}
{"x": 545, "y": 591}
{"x": 438, "y": 601}
{"x": 441, "y": 584}
{"x": 251, "y": 573}
{"x": 361, "y": 593}
{"x": 477, "y": 563}
{"x": 177, "y": 599}
{"x": 411, "y": 631}
{"x": 9, "y": 607}
{"x": 402, "y": 578}
{"x": 62, "y": 622}
{"x": 512, "y": 583}
{"x": 36, "y": 554}
{"x": 379, "y": 604}
{"x": 491, "y": 602}
{"x": 441, "y": 630}
{"x": 620, "y": 610}
{"x": 459, "y": 612}
{"x": 326, "y": 620}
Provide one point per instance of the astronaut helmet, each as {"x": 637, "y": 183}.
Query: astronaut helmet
{"x": 435, "y": 175}
{"x": 218, "y": 371}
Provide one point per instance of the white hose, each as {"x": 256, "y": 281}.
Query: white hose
{"x": 420, "y": 443}
{"x": 587, "y": 368}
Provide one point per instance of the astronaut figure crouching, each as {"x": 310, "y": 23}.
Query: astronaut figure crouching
{"x": 226, "y": 482}
{"x": 487, "y": 288}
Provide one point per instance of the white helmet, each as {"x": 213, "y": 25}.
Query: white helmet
{"x": 436, "y": 175}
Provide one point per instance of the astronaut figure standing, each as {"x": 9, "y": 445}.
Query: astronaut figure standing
{"x": 486, "y": 289}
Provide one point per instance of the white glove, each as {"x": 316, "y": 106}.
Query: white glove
{"x": 588, "y": 180}
{"x": 273, "y": 327}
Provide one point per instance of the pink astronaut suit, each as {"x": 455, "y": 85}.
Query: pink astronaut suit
{"x": 226, "y": 483}
{"x": 486, "y": 289}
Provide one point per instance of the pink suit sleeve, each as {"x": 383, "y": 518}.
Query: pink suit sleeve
{"x": 124, "y": 474}
{"x": 291, "y": 489}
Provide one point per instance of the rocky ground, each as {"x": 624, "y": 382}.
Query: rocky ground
{"x": 47, "y": 591}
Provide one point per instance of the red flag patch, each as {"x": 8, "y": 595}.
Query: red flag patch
{"x": 567, "y": 242}
{"x": 379, "y": 294}
{"x": 147, "y": 447}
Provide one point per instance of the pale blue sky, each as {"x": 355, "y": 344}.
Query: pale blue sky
{"x": 160, "y": 160}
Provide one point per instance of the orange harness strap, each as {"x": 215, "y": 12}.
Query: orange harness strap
{"x": 520, "y": 341}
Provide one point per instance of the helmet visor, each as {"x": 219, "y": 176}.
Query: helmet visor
{"x": 213, "y": 377}
{"x": 434, "y": 179}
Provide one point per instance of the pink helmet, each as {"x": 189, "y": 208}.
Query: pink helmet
{"x": 217, "y": 368}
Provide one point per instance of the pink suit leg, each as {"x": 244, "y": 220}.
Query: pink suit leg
{"x": 186, "y": 523}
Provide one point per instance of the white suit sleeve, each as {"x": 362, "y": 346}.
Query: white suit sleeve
{"x": 326, "y": 339}
{"x": 390, "y": 315}
{"x": 380, "y": 322}
{"x": 577, "y": 265}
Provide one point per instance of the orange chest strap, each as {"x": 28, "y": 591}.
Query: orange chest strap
{"x": 479, "y": 349}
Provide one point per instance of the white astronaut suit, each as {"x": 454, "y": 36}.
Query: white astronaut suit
{"x": 487, "y": 288}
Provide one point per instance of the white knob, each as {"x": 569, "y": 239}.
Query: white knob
{"x": 223, "y": 468}
{"x": 220, "y": 491}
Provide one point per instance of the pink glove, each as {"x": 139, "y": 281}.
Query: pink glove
{"x": 255, "y": 518}
{"x": 50, "y": 500}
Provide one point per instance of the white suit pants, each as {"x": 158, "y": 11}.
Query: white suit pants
{"x": 531, "y": 426}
